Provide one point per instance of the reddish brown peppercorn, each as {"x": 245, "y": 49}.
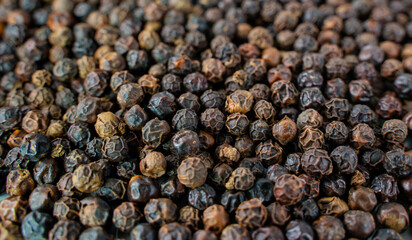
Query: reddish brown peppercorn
{"x": 251, "y": 214}
{"x": 215, "y": 218}
{"x": 288, "y": 189}
{"x": 153, "y": 165}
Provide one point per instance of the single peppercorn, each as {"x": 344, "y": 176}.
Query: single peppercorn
{"x": 153, "y": 165}
{"x": 362, "y": 198}
{"x": 394, "y": 216}
{"x": 192, "y": 172}
{"x": 94, "y": 211}
{"x": 88, "y": 178}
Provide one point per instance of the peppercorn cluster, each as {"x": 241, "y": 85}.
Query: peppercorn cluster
{"x": 205, "y": 119}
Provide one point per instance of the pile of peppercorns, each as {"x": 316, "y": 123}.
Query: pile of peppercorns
{"x": 205, "y": 119}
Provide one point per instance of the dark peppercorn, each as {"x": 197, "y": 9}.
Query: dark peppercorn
{"x": 298, "y": 229}
{"x": 94, "y": 233}
{"x": 397, "y": 163}
{"x": 162, "y": 104}
{"x": 385, "y": 187}
{"x": 141, "y": 189}
{"x": 125, "y": 216}
{"x": 67, "y": 229}
{"x": 269, "y": 152}
{"x": 36, "y": 225}
{"x": 43, "y": 197}
{"x": 160, "y": 211}
{"x": 93, "y": 211}
{"x": 359, "y": 223}
{"x": 386, "y": 233}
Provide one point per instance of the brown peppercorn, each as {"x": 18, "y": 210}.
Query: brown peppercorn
{"x": 311, "y": 138}
{"x": 279, "y": 214}
{"x": 391, "y": 69}
{"x": 215, "y": 218}
{"x": 316, "y": 162}
{"x": 362, "y": 136}
{"x": 149, "y": 83}
{"x": 160, "y": 211}
{"x": 108, "y": 125}
{"x": 220, "y": 174}
{"x": 115, "y": 148}
{"x": 192, "y": 172}
{"x": 153, "y": 165}
{"x": 285, "y": 130}
{"x": 328, "y": 227}
{"x": 65, "y": 229}
{"x": 281, "y": 72}
{"x": 251, "y": 214}
{"x": 241, "y": 179}
{"x": 66, "y": 208}
{"x": 35, "y": 120}
{"x": 312, "y": 186}
{"x": 126, "y": 215}
{"x": 255, "y": 68}
{"x": 271, "y": 56}
{"x": 86, "y": 65}
{"x": 174, "y": 230}
{"x": 41, "y": 78}
{"x": 264, "y": 110}
{"x": 88, "y": 178}
{"x": 43, "y": 198}
{"x": 235, "y": 231}
{"x": 112, "y": 62}
{"x": 240, "y": 101}
{"x": 394, "y": 216}
{"x": 309, "y": 118}
{"x": 362, "y": 198}
{"x": 16, "y": 138}
{"x": 227, "y": 153}
{"x": 332, "y": 206}
{"x": 288, "y": 189}
{"x": 213, "y": 69}
{"x": 11, "y": 231}
{"x": 260, "y": 37}
{"x": 190, "y": 217}
{"x": 94, "y": 212}
{"x": 13, "y": 208}
{"x": 66, "y": 187}
{"x": 206, "y": 140}
{"x": 394, "y": 131}
{"x": 337, "y": 68}
{"x": 19, "y": 182}
{"x": 148, "y": 39}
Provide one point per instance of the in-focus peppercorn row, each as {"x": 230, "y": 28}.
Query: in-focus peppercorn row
{"x": 205, "y": 119}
